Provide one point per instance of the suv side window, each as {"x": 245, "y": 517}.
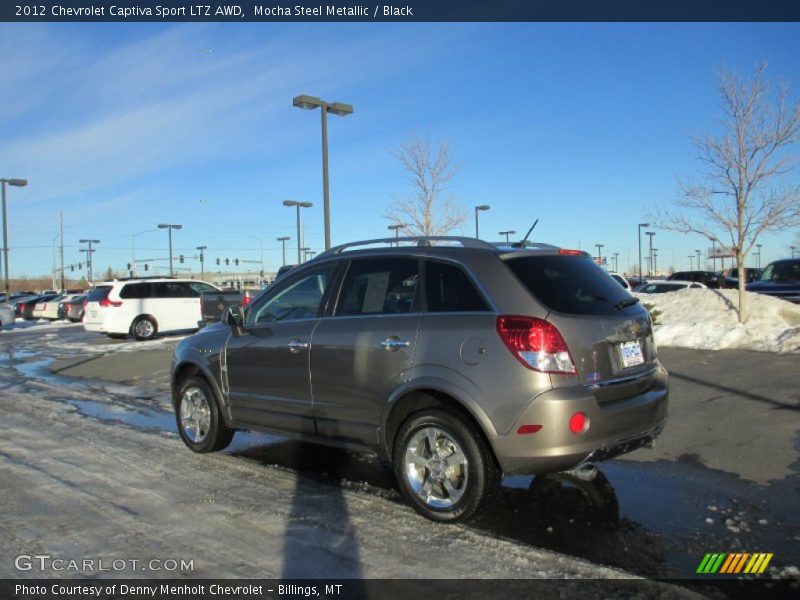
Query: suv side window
{"x": 298, "y": 298}
{"x": 170, "y": 289}
{"x": 448, "y": 289}
{"x": 379, "y": 286}
{"x": 135, "y": 291}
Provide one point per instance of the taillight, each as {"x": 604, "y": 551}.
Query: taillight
{"x": 107, "y": 303}
{"x": 246, "y": 300}
{"x": 536, "y": 343}
{"x": 567, "y": 252}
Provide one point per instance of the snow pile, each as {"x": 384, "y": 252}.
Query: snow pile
{"x": 707, "y": 319}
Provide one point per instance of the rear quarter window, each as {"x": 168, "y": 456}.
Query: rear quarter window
{"x": 96, "y": 294}
{"x": 572, "y": 285}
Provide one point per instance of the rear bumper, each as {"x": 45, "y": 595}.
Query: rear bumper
{"x": 614, "y": 428}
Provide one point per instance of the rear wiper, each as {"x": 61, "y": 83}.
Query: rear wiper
{"x": 626, "y": 303}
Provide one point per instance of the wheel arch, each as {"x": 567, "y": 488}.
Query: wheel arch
{"x": 430, "y": 394}
{"x": 143, "y": 315}
{"x": 188, "y": 369}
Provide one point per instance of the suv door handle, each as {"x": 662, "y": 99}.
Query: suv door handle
{"x": 394, "y": 343}
{"x": 296, "y": 345}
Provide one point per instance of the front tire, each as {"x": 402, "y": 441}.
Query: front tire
{"x": 200, "y": 423}
{"x": 144, "y": 328}
{"x": 444, "y": 466}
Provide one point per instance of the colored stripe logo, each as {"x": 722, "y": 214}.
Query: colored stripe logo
{"x": 734, "y": 563}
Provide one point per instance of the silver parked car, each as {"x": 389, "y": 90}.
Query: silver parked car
{"x": 455, "y": 359}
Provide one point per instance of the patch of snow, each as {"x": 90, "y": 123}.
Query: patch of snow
{"x": 707, "y": 320}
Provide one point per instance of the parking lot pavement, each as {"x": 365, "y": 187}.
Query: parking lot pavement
{"x": 723, "y": 476}
{"x": 733, "y": 411}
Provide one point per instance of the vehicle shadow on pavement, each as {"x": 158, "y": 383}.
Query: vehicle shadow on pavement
{"x": 778, "y": 404}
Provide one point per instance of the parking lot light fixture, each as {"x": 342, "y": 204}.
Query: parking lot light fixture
{"x": 507, "y": 233}
{"x": 89, "y": 256}
{"x": 340, "y": 109}
{"x": 640, "y": 248}
{"x": 396, "y": 228}
{"x": 650, "y": 235}
{"x": 283, "y": 241}
{"x": 758, "y": 254}
{"x": 169, "y": 228}
{"x": 599, "y": 253}
{"x": 15, "y": 183}
{"x": 691, "y": 258}
{"x": 298, "y": 205}
{"x": 479, "y": 208}
{"x": 697, "y": 251}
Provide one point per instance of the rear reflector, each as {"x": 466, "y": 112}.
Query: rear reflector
{"x": 536, "y": 343}
{"x": 106, "y": 303}
{"x": 578, "y": 423}
{"x": 525, "y": 429}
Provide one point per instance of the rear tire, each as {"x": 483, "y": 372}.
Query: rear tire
{"x": 144, "y": 328}
{"x": 200, "y": 423}
{"x": 444, "y": 466}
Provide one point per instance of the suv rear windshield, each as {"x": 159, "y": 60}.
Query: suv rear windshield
{"x": 96, "y": 294}
{"x": 572, "y": 285}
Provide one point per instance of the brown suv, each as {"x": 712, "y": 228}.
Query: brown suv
{"x": 456, "y": 359}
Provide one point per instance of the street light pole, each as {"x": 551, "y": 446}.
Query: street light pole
{"x": 758, "y": 264}
{"x": 655, "y": 261}
{"x": 261, "y": 243}
{"x": 89, "y": 256}
{"x": 283, "y": 241}
{"x": 339, "y": 109}
{"x": 697, "y": 251}
{"x": 133, "y": 249}
{"x": 599, "y": 253}
{"x": 396, "y": 227}
{"x": 202, "y": 262}
{"x": 299, "y": 205}
{"x": 640, "y": 248}
{"x": 478, "y": 208}
{"x": 616, "y": 262}
{"x": 507, "y": 233}
{"x": 650, "y": 235}
{"x": 691, "y": 257}
{"x": 16, "y": 183}
{"x": 169, "y": 228}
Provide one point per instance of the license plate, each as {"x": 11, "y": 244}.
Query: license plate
{"x": 92, "y": 313}
{"x": 631, "y": 353}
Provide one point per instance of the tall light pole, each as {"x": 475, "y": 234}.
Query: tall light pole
{"x": 299, "y": 205}
{"x": 261, "y": 243}
{"x": 305, "y": 250}
{"x": 792, "y": 248}
{"x": 758, "y": 264}
{"x": 169, "y": 228}
{"x": 599, "y": 253}
{"x": 396, "y": 228}
{"x": 507, "y": 233}
{"x": 479, "y": 208}
{"x": 650, "y": 235}
{"x": 89, "y": 256}
{"x": 310, "y": 253}
{"x": 691, "y": 257}
{"x": 341, "y": 110}
{"x": 202, "y": 262}
{"x": 616, "y": 262}
{"x": 15, "y": 183}
{"x": 697, "y": 251}
{"x": 640, "y": 248}
{"x": 283, "y": 241}
{"x": 133, "y": 248}
{"x": 655, "y": 261}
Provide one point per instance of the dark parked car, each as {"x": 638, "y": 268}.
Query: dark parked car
{"x": 662, "y": 287}
{"x": 781, "y": 279}
{"x": 707, "y": 278}
{"x": 213, "y": 304}
{"x": 729, "y": 278}
{"x": 455, "y": 359}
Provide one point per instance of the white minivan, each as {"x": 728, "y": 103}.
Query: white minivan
{"x": 144, "y": 307}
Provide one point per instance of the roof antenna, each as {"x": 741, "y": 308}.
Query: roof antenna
{"x": 527, "y": 235}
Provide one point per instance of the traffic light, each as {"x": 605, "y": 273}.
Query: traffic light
{"x": 146, "y": 267}
{"x": 181, "y": 258}
{"x": 217, "y": 261}
{"x": 236, "y": 261}
{"x": 72, "y": 268}
{"x": 129, "y": 266}
{"x": 227, "y": 261}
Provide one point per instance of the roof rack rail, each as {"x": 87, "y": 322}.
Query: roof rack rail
{"x": 143, "y": 277}
{"x": 466, "y": 242}
{"x": 521, "y": 245}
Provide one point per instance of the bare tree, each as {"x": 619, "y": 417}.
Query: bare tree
{"x": 743, "y": 192}
{"x": 427, "y": 209}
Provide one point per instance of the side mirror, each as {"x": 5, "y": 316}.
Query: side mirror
{"x": 234, "y": 316}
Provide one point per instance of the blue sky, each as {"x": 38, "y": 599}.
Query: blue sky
{"x": 124, "y": 126}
